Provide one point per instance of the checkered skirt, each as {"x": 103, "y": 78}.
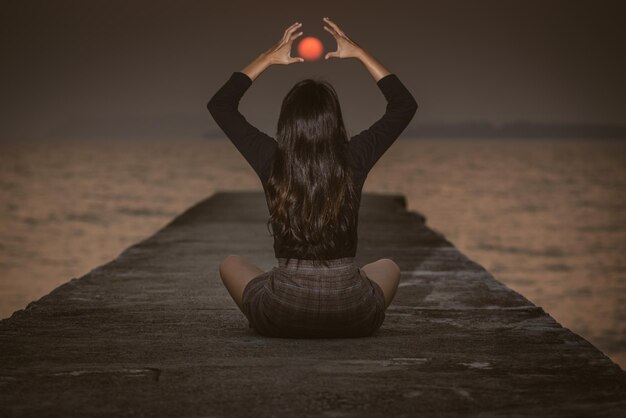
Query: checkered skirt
{"x": 302, "y": 299}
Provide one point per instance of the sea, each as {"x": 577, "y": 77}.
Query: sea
{"x": 546, "y": 217}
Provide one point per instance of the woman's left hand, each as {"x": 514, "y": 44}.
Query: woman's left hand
{"x": 281, "y": 52}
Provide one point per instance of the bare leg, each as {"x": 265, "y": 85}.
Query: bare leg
{"x": 236, "y": 272}
{"x": 386, "y": 273}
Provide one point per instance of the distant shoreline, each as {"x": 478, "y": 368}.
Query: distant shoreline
{"x": 523, "y": 130}
{"x": 508, "y": 130}
{"x": 409, "y": 137}
{"x": 519, "y": 129}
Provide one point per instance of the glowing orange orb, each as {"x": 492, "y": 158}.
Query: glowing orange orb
{"x": 310, "y": 48}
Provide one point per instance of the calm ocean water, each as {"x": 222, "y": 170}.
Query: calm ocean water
{"x": 547, "y": 218}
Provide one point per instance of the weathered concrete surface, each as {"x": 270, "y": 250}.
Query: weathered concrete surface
{"x": 154, "y": 332}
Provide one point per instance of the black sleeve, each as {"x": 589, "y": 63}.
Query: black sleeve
{"x": 369, "y": 145}
{"x": 256, "y": 146}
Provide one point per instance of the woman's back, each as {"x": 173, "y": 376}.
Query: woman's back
{"x": 365, "y": 148}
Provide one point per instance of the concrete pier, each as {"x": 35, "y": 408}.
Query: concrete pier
{"x": 155, "y": 333}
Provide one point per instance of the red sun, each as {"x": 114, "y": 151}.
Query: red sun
{"x": 310, "y": 48}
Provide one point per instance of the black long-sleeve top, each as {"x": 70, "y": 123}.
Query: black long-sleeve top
{"x": 365, "y": 148}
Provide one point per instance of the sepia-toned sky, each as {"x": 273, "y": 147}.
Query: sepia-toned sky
{"x": 110, "y": 68}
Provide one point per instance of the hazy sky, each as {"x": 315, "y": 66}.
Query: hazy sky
{"x": 108, "y": 67}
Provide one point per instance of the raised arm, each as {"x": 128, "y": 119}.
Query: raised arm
{"x": 369, "y": 145}
{"x": 256, "y": 146}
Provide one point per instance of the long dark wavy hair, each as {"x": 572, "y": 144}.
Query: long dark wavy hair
{"x": 312, "y": 199}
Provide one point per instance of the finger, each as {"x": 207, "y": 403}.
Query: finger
{"x": 291, "y": 29}
{"x": 288, "y": 29}
{"x": 332, "y": 55}
{"x": 296, "y": 59}
{"x": 332, "y": 32}
{"x": 296, "y": 35}
{"x": 293, "y": 25}
{"x": 334, "y": 26}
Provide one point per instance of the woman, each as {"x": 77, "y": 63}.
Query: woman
{"x": 312, "y": 177}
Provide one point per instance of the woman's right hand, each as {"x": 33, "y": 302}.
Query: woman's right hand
{"x": 346, "y": 48}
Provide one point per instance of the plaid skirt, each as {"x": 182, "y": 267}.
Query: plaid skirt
{"x": 302, "y": 299}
